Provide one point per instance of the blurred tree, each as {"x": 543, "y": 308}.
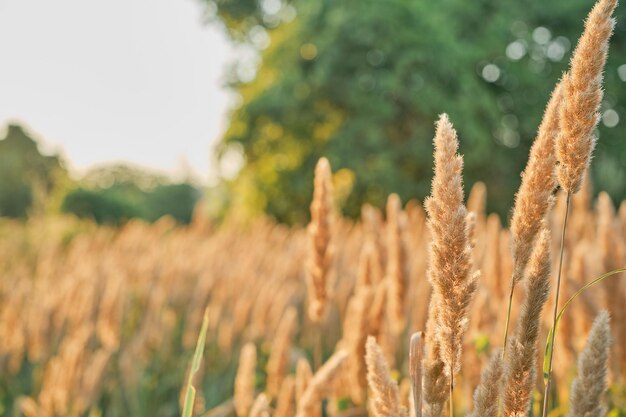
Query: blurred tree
{"x": 362, "y": 82}
{"x": 115, "y": 193}
{"x": 27, "y": 176}
{"x": 176, "y": 200}
{"x": 242, "y": 18}
{"x": 102, "y": 206}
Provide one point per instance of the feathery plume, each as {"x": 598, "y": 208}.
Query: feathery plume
{"x": 582, "y": 95}
{"x": 591, "y": 382}
{"x": 435, "y": 381}
{"x": 244, "y": 381}
{"x": 487, "y": 394}
{"x": 385, "y": 400}
{"x": 308, "y": 406}
{"x": 450, "y": 262}
{"x": 534, "y": 197}
{"x": 319, "y": 230}
{"x": 520, "y": 362}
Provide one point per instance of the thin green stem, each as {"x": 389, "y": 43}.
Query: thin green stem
{"x": 556, "y": 308}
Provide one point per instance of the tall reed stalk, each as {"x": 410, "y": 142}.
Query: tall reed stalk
{"x": 579, "y": 116}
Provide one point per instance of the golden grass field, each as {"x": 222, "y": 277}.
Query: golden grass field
{"x": 403, "y": 312}
{"x": 100, "y": 320}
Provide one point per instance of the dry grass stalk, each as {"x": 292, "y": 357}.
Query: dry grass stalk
{"x": 591, "y": 382}
{"x": 416, "y": 353}
{"x": 435, "y": 381}
{"x": 260, "y": 407}
{"x": 488, "y": 392}
{"x": 319, "y": 229}
{"x": 582, "y": 95}
{"x": 244, "y": 381}
{"x": 477, "y": 199}
{"x": 385, "y": 395}
{"x": 369, "y": 271}
{"x": 285, "y": 404}
{"x": 376, "y": 316}
{"x": 303, "y": 376}
{"x": 534, "y": 197}
{"x": 278, "y": 362}
{"x": 521, "y": 361}
{"x": 396, "y": 274}
{"x": 355, "y": 331}
{"x": 318, "y": 386}
{"x": 450, "y": 271}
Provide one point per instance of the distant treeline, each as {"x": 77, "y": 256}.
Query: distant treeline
{"x": 33, "y": 183}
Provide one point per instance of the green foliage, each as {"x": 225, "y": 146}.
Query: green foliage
{"x": 362, "y": 83}
{"x": 176, "y": 200}
{"x": 243, "y": 16}
{"x": 121, "y": 193}
{"x": 27, "y": 177}
{"x": 102, "y": 206}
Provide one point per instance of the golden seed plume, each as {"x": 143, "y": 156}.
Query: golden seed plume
{"x": 385, "y": 395}
{"x": 369, "y": 272}
{"x": 534, "y": 197}
{"x": 582, "y": 95}
{"x": 354, "y": 337}
{"x": 521, "y": 358}
{"x": 244, "y": 381}
{"x": 376, "y": 316}
{"x": 396, "y": 272}
{"x": 285, "y": 403}
{"x": 320, "y": 252}
{"x": 487, "y": 394}
{"x": 450, "y": 271}
{"x": 477, "y": 199}
{"x": 435, "y": 381}
{"x": 591, "y": 383}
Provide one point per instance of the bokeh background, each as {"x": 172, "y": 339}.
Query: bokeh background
{"x": 122, "y": 110}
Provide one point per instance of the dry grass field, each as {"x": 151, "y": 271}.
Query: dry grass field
{"x": 404, "y": 312}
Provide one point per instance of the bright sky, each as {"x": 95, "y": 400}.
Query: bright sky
{"x": 115, "y": 80}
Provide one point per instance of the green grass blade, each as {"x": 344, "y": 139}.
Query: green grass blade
{"x": 546, "y": 354}
{"x": 190, "y": 397}
{"x": 195, "y": 365}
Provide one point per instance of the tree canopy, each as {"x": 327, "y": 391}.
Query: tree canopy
{"x": 27, "y": 176}
{"x": 362, "y": 83}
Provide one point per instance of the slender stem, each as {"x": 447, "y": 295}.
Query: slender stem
{"x": 556, "y": 309}
{"x": 451, "y": 390}
{"x": 508, "y": 318}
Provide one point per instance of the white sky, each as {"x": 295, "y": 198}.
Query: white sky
{"x": 115, "y": 80}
